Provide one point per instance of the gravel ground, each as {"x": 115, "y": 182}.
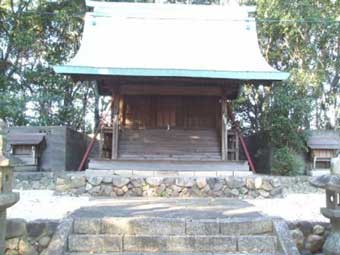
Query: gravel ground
{"x": 294, "y": 207}
{"x": 42, "y": 204}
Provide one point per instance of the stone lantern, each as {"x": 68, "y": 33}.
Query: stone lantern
{"x": 7, "y": 197}
{"x": 331, "y": 183}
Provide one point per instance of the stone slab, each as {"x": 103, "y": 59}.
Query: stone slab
{"x": 320, "y": 172}
{"x": 247, "y": 226}
{"x": 194, "y": 208}
{"x": 143, "y": 226}
{"x": 284, "y": 238}
{"x": 257, "y": 244}
{"x": 15, "y": 228}
{"x": 164, "y": 253}
{"x": 180, "y": 243}
{"x": 243, "y": 173}
{"x": 161, "y": 165}
{"x": 207, "y": 173}
{"x": 87, "y": 226}
{"x": 95, "y": 243}
{"x": 202, "y": 227}
{"x": 58, "y": 244}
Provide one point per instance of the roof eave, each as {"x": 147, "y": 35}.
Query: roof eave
{"x": 237, "y": 75}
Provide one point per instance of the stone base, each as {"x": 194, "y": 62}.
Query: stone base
{"x": 141, "y": 184}
{"x": 28, "y": 237}
{"x": 248, "y": 187}
{"x": 2, "y": 233}
{"x": 332, "y": 244}
{"x": 319, "y": 172}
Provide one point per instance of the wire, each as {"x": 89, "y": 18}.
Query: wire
{"x": 258, "y": 20}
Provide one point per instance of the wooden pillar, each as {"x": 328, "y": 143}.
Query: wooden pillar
{"x": 224, "y": 128}
{"x": 115, "y": 123}
{"x": 237, "y": 146}
{"x": 34, "y": 155}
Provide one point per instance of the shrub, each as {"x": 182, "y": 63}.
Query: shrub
{"x": 286, "y": 162}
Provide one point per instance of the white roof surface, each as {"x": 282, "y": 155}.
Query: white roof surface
{"x": 170, "y": 40}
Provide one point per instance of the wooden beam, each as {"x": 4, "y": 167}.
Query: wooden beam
{"x": 224, "y": 128}
{"x": 167, "y": 90}
{"x": 115, "y": 123}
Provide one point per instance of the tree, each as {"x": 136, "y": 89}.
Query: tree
{"x": 302, "y": 37}
{"x": 34, "y": 36}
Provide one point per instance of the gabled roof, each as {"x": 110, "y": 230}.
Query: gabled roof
{"x": 324, "y": 140}
{"x": 25, "y": 138}
{"x": 165, "y": 40}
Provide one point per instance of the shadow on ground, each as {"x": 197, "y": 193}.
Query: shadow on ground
{"x": 204, "y": 208}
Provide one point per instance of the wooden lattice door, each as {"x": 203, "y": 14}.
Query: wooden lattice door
{"x": 166, "y": 112}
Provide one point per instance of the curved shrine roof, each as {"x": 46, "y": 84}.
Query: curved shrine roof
{"x": 165, "y": 40}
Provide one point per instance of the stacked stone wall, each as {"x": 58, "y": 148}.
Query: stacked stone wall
{"x": 117, "y": 186}
{"x": 309, "y": 236}
{"x": 28, "y": 238}
{"x": 247, "y": 187}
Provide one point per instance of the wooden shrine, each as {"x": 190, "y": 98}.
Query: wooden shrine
{"x": 172, "y": 72}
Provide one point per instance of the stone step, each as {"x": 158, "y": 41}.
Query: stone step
{"x": 166, "y": 253}
{"x": 176, "y": 243}
{"x": 172, "y": 226}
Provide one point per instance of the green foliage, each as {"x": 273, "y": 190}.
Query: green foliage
{"x": 280, "y": 111}
{"x": 163, "y": 194}
{"x": 289, "y": 109}
{"x": 34, "y": 36}
{"x": 304, "y": 40}
{"x": 301, "y": 37}
{"x": 286, "y": 162}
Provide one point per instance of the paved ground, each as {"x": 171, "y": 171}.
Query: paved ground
{"x": 42, "y": 204}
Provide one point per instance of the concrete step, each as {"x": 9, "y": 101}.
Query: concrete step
{"x": 97, "y": 243}
{"x": 172, "y": 226}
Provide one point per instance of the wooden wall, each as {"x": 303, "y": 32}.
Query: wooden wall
{"x": 324, "y": 153}
{"x": 173, "y": 144}
{"x": 162, "y": 119}
{"x": 64, "y": 147}
{"x": 184, "y": 112}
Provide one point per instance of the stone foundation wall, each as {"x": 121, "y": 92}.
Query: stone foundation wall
{"x": 34, "y": 180}
{"x": 117, "y": 186}
{"x": 254, "y": 186}
{"x": 28, "y": 238}
{"x": 298, "y": 184}
{"x": 309, "y": 236}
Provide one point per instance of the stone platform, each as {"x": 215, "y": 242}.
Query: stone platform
{"x": 172, "y": 226}
{"x": 194, "y": 208}
{"x": 170, "y": 165}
